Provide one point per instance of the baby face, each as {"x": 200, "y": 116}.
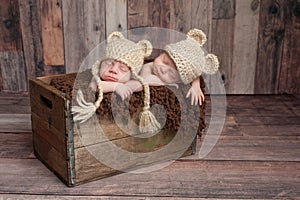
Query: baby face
{"x": 111, "y": 70}
{"x": 164, "y": 68}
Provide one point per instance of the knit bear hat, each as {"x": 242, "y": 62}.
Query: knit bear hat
{"x": 123, "y": 50}
{"x": 132, "y": 54}
{"x": 189, "y": 56}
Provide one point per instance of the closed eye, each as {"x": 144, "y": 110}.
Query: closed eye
{"x": 124, "y": 68}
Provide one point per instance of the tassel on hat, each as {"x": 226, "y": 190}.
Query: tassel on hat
{"x": 85, "y": 110}
{"x": 148, "y": 122}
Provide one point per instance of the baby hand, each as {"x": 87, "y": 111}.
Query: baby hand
{"x": 123, "y": 91}
{"x": 196, "y": 95}
{"x": 93, "y": 86}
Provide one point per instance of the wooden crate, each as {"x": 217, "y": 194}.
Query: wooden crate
{"x": 59, "y": 145}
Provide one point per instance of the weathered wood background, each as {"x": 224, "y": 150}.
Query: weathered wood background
{"x": 257, "y": 41}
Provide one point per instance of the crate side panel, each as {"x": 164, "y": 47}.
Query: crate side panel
{"x": 51, "y": 158}
{"x": 91, "y": 161}
{"x": 55, "y": 138}
{"x": 48, "y": 104}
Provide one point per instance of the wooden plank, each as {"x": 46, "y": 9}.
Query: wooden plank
{"x": 289, "y": 81}
{"x": 245, "y": 46}
{"x": 259, "y": 148}
{"x": 14, "y": 123}
{"x": 1, "y": 80}
{"x": 51, "y": 31}
{"x": 31, "y": 35}
{"x": 223, "y": 9}
{"x": 51, "y": 158}
{"x": 13, "y": 71}
{"x": 158, "y": 17}
{"x": 16, "y": 146}
{"x": 159, "y": 13}
{"x": 218, "y": 179}
{"x": 116, "y": 16}
{"x": 137, "y": 13}
{"x": 49, "y": 104}
{"x": 222, "y": 46}
{"x": 201, "y": 17}
{"x": 268, "y": 120}
{"x": 271, "y": 130}
{"x": 10, "y": 32}
{"x": 270, "y": 46}
{"x": 180, "y": 15}
{"x": 54, "y": 138}
{"x": 222, "y": 43}
{"x": 84, "y": 29}
{"x": 54, "y": 70}
{"x": 79, "y": 197}
{"x": 15, "y": 104}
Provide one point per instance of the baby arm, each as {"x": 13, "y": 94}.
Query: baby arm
{"x": 136, "y": 86}
{"x": 196, "y": 93}
{"x": 121, "y": 89}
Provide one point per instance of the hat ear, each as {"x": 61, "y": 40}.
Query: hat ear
{"x": 211, "y": 64}
{"x": 146, "y": 47}
{"x": 114, "y": 35}
{"x": 197, "y": 35}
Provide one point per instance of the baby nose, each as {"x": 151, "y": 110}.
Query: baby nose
{"x": 163, "y": 70}
{"x": 114, "y": 68}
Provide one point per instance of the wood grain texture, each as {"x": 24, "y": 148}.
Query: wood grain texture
{"x": 18, "y": 104}
{"x": 48, "y": 104}
{"x": 223, "y": 9}
{"x": 262, "y": 153}
{"x": 116, "y": 15}
{"x": 270, "y": 46}
{"x": 245, "y": 47}
{"x": 159, "y": 13}
{"x": 51, "y": 30}
{"x": 84, "y": 28}
{"x": 15, "y": 123}
{"x": 13, "y": 71}
{"x": 288, "y": 77}
{"x": 222, "y": 46}
{"x": 31, "y": 37}
{"x": 201, "y": 18}
{"x": 137, "y": 13}
{"x": 50, "y": 157}
{"x": 217, "y": 179}
{"x": 10, "y": 32}
{"x": 17, "y": 146}
{"x": 180, "y": 15}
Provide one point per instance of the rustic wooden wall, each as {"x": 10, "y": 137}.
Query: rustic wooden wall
{"x": 257, "y": 41}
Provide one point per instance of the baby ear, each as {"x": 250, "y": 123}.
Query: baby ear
{"x": 146, "y": 47}
{"x": 114, "y": 35}
{"x": 197, "y": 35}
{"x": 211, "y": 64}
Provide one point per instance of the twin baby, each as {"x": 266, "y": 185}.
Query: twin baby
{"x": 122, "y": 70}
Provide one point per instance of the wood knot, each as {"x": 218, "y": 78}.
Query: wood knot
{"x": 254, "y": 5}
{"x": 273, "y": 9}
{"x": 296, "y": 10}
{"x": 8, "y": 23}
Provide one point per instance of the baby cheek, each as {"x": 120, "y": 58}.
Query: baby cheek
{"x": 124, "y": 77}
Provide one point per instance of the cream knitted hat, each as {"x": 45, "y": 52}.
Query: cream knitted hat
{"x": 132, "y": 54}
{"x": 189, "y": 56}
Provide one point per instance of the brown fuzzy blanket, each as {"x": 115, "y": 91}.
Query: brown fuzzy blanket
{"x": 177, "y": 108}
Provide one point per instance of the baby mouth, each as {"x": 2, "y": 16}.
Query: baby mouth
{"x": 110, "y": 78}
